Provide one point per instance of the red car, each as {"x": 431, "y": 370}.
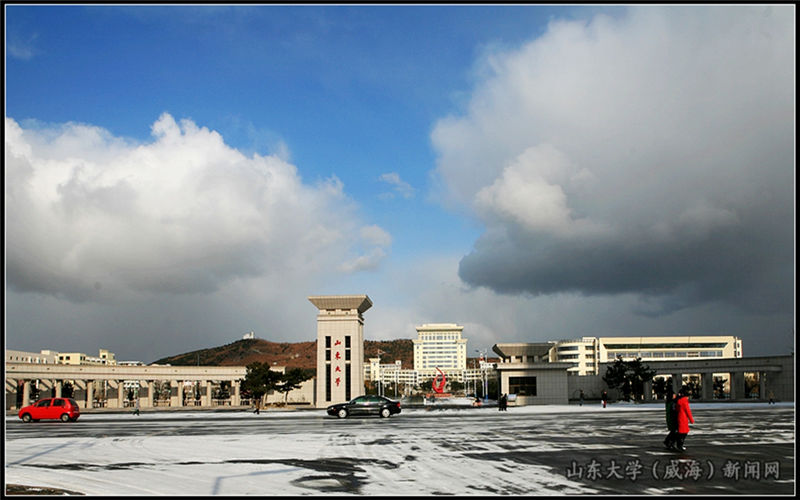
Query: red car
{"x": 65, "y": 409}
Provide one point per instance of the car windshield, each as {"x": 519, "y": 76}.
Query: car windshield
{"x": 73, "y": 402}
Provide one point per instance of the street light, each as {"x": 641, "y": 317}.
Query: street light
{"x": 483, "y": 373}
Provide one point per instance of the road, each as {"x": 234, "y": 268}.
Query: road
{"x": 471, "y": 451}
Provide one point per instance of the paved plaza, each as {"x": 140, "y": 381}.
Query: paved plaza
{"x": 571, "y": 450}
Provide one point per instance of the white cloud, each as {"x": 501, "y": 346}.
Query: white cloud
{"x": 399, "y": 186}
{"x": 91, "y": 217}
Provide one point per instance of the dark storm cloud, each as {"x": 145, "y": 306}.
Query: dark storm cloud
{"x": 651, "y": 154}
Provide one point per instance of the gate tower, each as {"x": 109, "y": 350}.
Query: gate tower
{"x": 340, "y": 347}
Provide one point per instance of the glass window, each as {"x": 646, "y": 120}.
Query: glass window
{"x": 58, "y": 402}
{"x": 522, "y": 386}
{"x": 43, "y": 404}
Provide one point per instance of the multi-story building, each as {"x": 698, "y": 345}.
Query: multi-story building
{"x": 439, "y": 346}
{"x": 587, "y": 353}
{"x": 104, "y": 357}
{"x": 390, "y": 374}
{"x": 43, "y": 357}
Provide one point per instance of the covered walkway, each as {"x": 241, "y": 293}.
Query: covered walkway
{"x": 103, "y": 385}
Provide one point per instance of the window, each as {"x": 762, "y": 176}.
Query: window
{"x": 43, "y": 404}
{"x": 58, "y": 402}
{"x": 328, "y": 382}
{"x": 522, "y": 386}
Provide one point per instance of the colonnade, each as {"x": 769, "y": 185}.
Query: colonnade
{"x": 21, "y": 376}
{"x": 736, "y": 381}
{"x": 116, "y": 396}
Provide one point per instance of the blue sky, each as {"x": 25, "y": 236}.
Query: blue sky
{"x": 530, "y": 172}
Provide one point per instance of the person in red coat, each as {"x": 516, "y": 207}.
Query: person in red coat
{"x": 684, "y": 417}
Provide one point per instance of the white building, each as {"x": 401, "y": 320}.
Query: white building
{"x": 392, "y": 373}
{"x": 439, "y": 346}
{"x": 587, "y": 353}
{"x": 43, "y": 357}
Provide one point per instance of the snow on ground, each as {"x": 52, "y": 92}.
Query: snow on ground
{"x": 407, "y": 459}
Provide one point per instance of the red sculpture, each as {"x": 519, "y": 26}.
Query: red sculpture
{"x": 439, "y": 386}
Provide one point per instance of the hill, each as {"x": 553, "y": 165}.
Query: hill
{"x": 288, "y": 354}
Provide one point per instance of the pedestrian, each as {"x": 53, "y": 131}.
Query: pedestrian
{"x": 672, "y": 419}
{"x": 684, "y": 417}
{"x": 604, "y": 397}
{"x": 581, "y": 398}
{"x": 136, "y": 410}
{"x": 258, "y": 404}
{"x": 771, "y": 398}
{"x": 503, "y": 403}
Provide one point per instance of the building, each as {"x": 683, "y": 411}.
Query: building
{"x": 104, "y": 357}
{"x": 340, "y": 347}
{"x": 43, "y": 357}
{"x": 440, "y": 346}
{"x": 587, "y": 353}
{"x": 390, "y": 374}
{"x": 527, "y": 372}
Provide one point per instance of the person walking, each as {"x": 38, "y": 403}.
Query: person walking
{"x": 604, "y": 397}
{"x": 684, "y": 417}
{"x": 771, "y": 398}
{"x": 581, "y": 398}
{"x": 671, "y": 411}
{"x": 136, "y": 410}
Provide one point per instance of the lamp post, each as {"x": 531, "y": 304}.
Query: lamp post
{"x": 483, "y": 373}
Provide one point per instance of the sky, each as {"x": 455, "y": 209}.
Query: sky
{"x": 178, "y": 176}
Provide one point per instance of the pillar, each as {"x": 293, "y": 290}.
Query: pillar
{"x": 706, "y": 386}
{"x": 737, "y": 385}
{"x": 173, "y": 393}
{"x": 207, "y": 396}
{"x": 121, "y": 394}
{"x": 150, "y": 394}
{"x": 677, "y": 382}
{"x": 111, "y": 397}
{"x": 180, "y": 393}
{"x": 90, "y": 394}
{"x": 59, "y": 385}
{"x": 236, "y": 397}
{"x": 648, "y": 390}
{"x": 762, "y": 386}
{"x": 26, "y": 392}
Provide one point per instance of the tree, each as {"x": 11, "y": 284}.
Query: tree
{"x": 67, "y": 390}
{"x": 292, "y": 380}
{"x": 719, "y": 387}
{"x": 426, "y": 385}
{"x": 629, "y": 377}
{"x": 260, "y": 380}
{"x": 660, "y": 387}
{"x": 456, "y": 386}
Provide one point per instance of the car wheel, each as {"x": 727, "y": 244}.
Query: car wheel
{"x": 26, "y": 418}
{"x": 385, "y": 412}
{"x": 342, "y": 413}
{"x": 65, "y": 417}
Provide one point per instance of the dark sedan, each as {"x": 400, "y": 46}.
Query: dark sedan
{"x": 365, "y": 405}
